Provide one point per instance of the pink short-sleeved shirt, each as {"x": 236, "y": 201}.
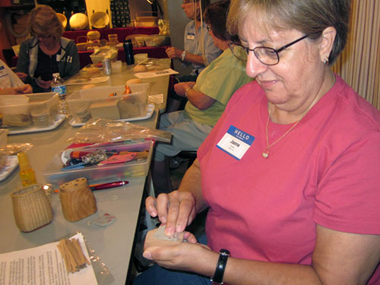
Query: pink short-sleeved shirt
{"x": 325, "y": 171}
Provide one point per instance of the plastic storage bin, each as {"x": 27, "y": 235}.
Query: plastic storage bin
{"x": 54, "y": 173}
{"x": 103, "y": 53}
{"x": 109, "y": 102}
{"x": 38, "y": 109}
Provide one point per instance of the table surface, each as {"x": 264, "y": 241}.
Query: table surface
{"x": 113, "y": 244}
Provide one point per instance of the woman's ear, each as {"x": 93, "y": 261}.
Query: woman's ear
{"x": 327, "y": 43}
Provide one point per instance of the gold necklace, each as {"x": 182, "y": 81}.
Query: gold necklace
{"x": 267, "y": 149}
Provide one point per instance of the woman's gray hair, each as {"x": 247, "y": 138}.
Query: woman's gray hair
{"x": 311, "y": 17}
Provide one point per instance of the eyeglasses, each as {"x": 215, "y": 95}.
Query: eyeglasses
{"x": 266, "y": 55}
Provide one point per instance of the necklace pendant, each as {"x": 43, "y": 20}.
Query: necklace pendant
{"x": 266, "y": 152}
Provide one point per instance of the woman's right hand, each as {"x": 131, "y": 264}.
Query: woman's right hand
{"x": 23, "y": 76}
{"x": 177, "y": 210}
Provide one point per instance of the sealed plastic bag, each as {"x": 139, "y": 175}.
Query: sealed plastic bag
{"x": 103, "y": 130}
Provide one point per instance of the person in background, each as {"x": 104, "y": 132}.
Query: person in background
{"x": 47, "y": 52}
{"x": 10, "y": 84}
{"x": 199, "y": 49}
{"x": 207, "y": 99}
{"x": 290, "y": 173}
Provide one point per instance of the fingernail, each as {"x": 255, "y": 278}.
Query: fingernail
{"x": 147, "y": 254}
{"x": 163, "y": 220}
{"x": 169, "y": 231}
{"x": 178, "y": 228}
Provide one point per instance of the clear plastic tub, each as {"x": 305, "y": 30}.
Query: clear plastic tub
{"x": 41, "y": 110}
{"x": 109, "y": 102}
{"x": 102, "y": 53}
{"x": 55, "y": 174}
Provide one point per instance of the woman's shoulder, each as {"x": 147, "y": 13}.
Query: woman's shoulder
{"x": 355, "y": 106}
{"x": 65, "y": 42}
{"x": 30, "y": 42}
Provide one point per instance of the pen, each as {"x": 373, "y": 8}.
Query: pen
{"x": 102, "y": 186}
{"x": 108, "y": 185}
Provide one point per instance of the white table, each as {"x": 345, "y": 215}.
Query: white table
{"x": 113, "y": 244}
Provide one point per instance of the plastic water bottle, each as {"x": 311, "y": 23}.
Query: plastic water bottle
{"x": 58, "y": 85}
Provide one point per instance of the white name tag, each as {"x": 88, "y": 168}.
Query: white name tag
{"x": 235, "y": 142}
{"x": 190, "y": 36}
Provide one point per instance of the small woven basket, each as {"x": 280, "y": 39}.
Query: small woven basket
{"x": 31, "y": 208}
{"x": 77, "y": 200}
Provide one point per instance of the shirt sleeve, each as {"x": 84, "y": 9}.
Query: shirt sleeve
{"x": 211, "y": 51}
{"x": 348, "y": 196}
{"x": 223, "y": 78}
{"x": 15, "y": 81}
{"x": 23, "y": 58}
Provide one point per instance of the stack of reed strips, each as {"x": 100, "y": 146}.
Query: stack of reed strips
{"x": 72, "y": 254}
{"x": 77, "y": 200}
{"x": 31, "y": 208}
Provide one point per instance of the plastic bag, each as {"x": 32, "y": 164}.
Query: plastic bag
{"x": 15, "y": 148}
{"x": 103, "y": 130}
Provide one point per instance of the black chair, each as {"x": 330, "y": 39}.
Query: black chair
{"x": 189, "y": 155}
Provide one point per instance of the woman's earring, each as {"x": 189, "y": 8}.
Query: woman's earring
{"x": 326, "y": 60}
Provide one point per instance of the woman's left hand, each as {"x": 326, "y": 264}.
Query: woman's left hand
{"x": 180, "y": 88}
{"x": 185, "y": 256}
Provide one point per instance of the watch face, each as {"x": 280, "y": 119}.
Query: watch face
{"x": 224, "y": 251}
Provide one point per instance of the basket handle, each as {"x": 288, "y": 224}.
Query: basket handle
{"x": 80, "y": 38}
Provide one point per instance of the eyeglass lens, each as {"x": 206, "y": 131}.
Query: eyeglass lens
{"x": 266, "y": 55}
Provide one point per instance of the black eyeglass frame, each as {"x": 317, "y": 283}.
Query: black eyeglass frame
{"x": 276, "y": 51}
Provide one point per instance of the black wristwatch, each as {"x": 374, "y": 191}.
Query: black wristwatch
{"x": 220, "y": 267}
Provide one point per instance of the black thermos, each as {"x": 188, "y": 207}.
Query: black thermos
{"x": 128, "y": 51}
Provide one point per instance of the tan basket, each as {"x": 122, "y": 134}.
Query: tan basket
{"x": 77, "y": 200}
{"x": 31, "y": 208}
{"x": 146, "y": 19}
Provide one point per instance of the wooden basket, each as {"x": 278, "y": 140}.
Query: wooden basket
{"x": 31, "y": 208}
{"x": 77, "y": 200}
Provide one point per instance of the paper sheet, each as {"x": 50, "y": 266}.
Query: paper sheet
{"x": 157, "y": 73}
{"x": 42, "y": 265}
{"x": 82, "y": 81}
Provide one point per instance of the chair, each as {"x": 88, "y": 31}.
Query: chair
{"x": 190, "y": 155}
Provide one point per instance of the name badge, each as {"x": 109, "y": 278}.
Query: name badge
{"x": 190, "y": 36}
{"x": 235, "y": 142}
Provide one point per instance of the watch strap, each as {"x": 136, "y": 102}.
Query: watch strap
{"x": 220, "y": 267}
{"x": 187, "y": 90}
{"x": 183, "y": 55}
